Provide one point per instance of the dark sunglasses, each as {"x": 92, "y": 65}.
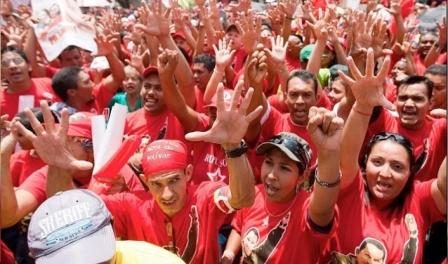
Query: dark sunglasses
{"x": 393, "y": 137}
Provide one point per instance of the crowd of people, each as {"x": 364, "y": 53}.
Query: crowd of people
{"x": 294, "y": 132}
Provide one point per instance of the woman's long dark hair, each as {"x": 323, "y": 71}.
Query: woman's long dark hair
{"x": 398, "y": 202}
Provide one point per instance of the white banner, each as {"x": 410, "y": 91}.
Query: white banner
{"x": 94, "y": 3}
{"x": 61, "y": 25}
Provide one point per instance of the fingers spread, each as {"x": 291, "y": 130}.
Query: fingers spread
{"x": 48, "y": 116}
{"x": 198, "y": 136}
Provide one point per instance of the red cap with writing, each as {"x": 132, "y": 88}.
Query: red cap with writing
{"x": 163, "y": 156}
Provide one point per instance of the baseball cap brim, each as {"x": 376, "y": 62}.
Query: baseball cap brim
{"x": 150, "y": 70}
{"x": 266, "y": 146}
{"x": 95, "y": 248}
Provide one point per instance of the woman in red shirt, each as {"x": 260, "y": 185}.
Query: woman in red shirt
{"x": 380, "y": 202}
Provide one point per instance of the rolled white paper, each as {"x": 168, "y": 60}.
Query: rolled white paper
{"x": 98, "y": 132}
{"x": 113, "y": 136}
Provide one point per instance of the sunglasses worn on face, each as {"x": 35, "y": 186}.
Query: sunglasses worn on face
{"x": 86, "y": 143}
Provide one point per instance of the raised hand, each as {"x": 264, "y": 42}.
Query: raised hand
{"x": 155, "y": 20}
{"x": 307, "y": 12}
{"x": 288, "y": 7}
{"x": 177, "y": 18}
{"x": 320, "y": 26}
{"x": 50, "y": 141}
{"x": 137, "y": 56}
{"x": 231, "y": 124}
{"x": 105, "y": 46}
{"x": 257, "y": 67}
{"x": 241, "y": 6}
{"x": 167, "y": 62}
{"x": 442, "y": 27}
{"x": 368, "y": 89}
{"x": 395, "y": 8}
{"x": 325, "y": 129}
{"x": 200, "y": 3}
{"x": 223, "y": 55}
{"x": 378, "y": 37}
{"x": 248, "y": 31}
{"x": 277, "y": 53}
{"x": 15, "y": 35}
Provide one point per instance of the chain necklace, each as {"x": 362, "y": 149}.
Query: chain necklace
{"x": 283, "y": 212}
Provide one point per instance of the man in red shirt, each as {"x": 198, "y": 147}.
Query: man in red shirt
{"x": 74, "y": 86}
{"x": 208, "y": 159}
{"x": 26, "y": 161}
{"x": 428, "y": 135}
{"x": 203, "y": 66}
{"x": 75, "y": 145}
{"x": 153, "y": 120}
{"x": 16, "y": 71}
{"x": 437, "y": 74}
{"x": 180, "y": 217}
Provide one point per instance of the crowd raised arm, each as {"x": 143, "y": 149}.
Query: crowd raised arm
{"x": 309, "y": 132}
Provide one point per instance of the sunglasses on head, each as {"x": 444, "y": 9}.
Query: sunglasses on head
{"x": 299, "y": 149}
{"x": 394, "y": 137}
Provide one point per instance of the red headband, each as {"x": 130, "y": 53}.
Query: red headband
{"x": 164, "y": 156}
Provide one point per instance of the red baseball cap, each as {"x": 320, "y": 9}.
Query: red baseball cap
{"x": 80, "y": 125}
{"x": 178, "y": 34}
{"x": 164, "y": 156}
{"x": 149, "y": 70}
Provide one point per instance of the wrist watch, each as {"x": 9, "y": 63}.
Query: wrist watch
{"x": 237, "y": 152}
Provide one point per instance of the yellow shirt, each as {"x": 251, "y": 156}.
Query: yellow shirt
{"x": 140, "y": 252}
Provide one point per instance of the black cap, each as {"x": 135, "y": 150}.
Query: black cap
{"x": 295, "y": 147}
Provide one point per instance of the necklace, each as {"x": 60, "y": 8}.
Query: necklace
{"x": 283, "y": 212}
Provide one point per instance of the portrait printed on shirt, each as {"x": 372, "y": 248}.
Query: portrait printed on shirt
{"x": 372, "y": 251}
{"x": 255, "y": 249}
{"x": 192, "y": 239}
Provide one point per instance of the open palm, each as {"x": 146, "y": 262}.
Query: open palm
{"x": 368, "y": 88}
{"x": 50, "y": 142}
{"x": 231, "y": 124}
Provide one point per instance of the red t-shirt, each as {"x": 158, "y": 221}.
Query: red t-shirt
{"x": 239, "y": 59}
{"x": 161, "y": 126}
{"x": 199, "y": 95}
{"x": 420, "y": 67}
{"x": 278, "y": 103}
{"x": 324, "y": 101}
{"x": 278, "y": 122}
{"x": 36, "y": 183}
{"x": 102, "y": 99}
{"x": 6, "y": 256}
{"x": 362, "y": 221}
{"x": 41, "y": 90}
{"x": 280, "y": 233}
{"x": 292, "y": 63}
{"x": 429, "y": 141}
{"x": 192, "y": 233}
{"x": 209, "y": 161}
{"x": 391, "y": 91}
{"x": 22, "y": 165}
{"x": 282, "y": 107}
